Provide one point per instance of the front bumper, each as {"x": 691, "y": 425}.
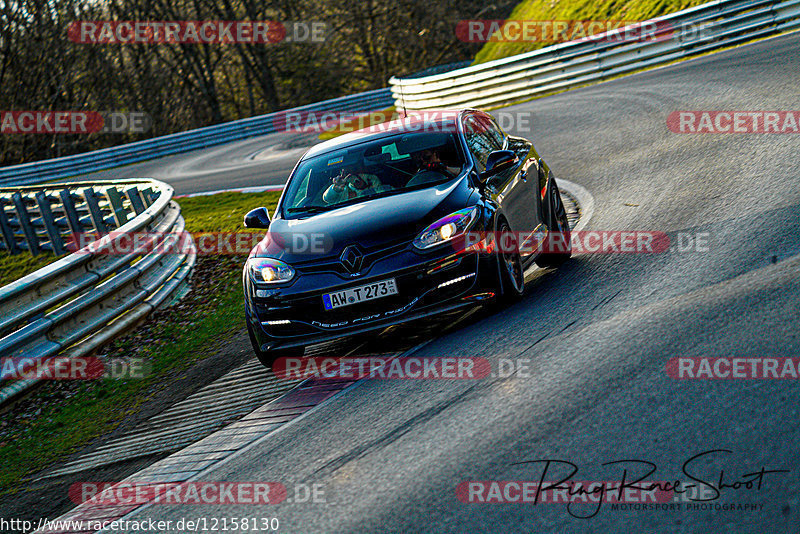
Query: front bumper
{"x": 427, "y": 283}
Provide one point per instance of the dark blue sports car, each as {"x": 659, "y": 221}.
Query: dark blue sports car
{"x": 391, "y": 224}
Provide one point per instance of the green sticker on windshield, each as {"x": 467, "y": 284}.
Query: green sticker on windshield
{"x": 392, "y": 150}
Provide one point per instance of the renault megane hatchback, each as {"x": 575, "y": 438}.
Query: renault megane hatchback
{"x": 378, "y": 227}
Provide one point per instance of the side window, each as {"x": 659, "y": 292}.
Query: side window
{"x": 301, "y": 192}
{"x": 495, "y": 132}
{"x": 480, "y": 140}
{"x": 519, "y": 146}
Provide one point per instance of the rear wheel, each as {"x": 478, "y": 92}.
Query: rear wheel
{"x": 509, "y": 266}
{"x": 558, "y": 239}
{"x": 268, "y": 358}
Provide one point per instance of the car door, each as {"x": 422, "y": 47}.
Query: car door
{"x": 534, "y": 178}
{"x": 529, "y": 188}
{"x": 509, "y": 188}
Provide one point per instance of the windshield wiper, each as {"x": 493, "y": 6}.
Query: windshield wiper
{"x": 311, "y": 209}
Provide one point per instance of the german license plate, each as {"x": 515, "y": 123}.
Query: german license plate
{"x": 354, "y": 295}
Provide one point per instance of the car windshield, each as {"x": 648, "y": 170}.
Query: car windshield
{"x": 369, "y": 170}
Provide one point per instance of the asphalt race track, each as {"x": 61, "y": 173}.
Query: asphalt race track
{"x": 596, "y": 334}
{"x": 259, "y": 161}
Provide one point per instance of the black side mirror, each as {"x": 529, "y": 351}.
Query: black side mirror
{"x": 497, "y": 162}
{"x": 257, "y": 218}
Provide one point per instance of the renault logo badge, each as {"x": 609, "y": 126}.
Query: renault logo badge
{"x": 351, "y": 258}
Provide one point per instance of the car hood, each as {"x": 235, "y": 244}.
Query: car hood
{"x": 371, "y": 224}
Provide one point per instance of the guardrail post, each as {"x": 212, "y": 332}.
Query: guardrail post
{"x": 8, "y": 233}
{"x": 25, "y": 223}
{"x": 50, "y": 223}
{"x": 94, "y": 211}
{"x": 73, "y": 220}
{"x": 120, "y": 215}
{"x": 148, "y": 195}
{"x": 136, "y": 199}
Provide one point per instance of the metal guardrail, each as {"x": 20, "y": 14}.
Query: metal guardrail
{"x": 50, "y": 218}
{"x": 69, "y": 166}
{"x": 713, "y": 25}
{"x": 81, "y": 301}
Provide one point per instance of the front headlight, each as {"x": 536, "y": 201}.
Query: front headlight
{"x": 447, "y": 228}
{"x": 270, "y": 270}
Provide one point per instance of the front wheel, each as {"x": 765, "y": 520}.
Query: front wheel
{"x": 558, "y": 243}
{"x": 268, "y": 358}
{"x": 509, "y": 266}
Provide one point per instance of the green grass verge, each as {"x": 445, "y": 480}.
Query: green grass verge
{"x": 223, "y": 212}
{"x": 65, "y": 416}
{"x": 13, "y": 267}
{"x": 541, "y": 10}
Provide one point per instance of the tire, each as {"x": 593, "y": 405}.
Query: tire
{"x": 268, "y": 358}
{"x": 510, "y": 276}
{"x": 558, "y": 226}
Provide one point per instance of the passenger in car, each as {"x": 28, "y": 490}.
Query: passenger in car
{"x": 358, "y": 183}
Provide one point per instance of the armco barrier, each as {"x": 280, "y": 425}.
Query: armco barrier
{"x": 36, "y": 219}
{"x": 77, "y": 303}
{"x": 59, "y": 168}
{"x": 689, "y": 32}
